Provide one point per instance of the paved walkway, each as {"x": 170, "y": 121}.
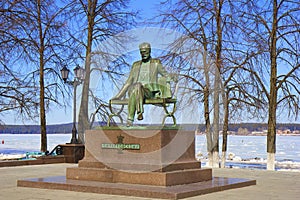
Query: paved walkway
{"x": 271, "y": 185}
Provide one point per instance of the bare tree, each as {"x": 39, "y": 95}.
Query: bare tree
{"x": 33, "y": 33}
{"x": 214, "y": 31}
{"x": 204, "y": 23}
{"x": 273, "y": 28}
{"x": 96, "y": 21}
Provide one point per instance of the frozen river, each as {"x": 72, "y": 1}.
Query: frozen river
{"x": 243, "y": 148}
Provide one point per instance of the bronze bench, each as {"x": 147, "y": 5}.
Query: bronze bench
{"x": 163, "y": 102}
{"x": 166, "y": 97}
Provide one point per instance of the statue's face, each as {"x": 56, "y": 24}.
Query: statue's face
{"x": 145, "y": 53}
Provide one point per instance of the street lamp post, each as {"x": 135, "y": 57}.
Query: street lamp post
{"x": 78, "y": 78}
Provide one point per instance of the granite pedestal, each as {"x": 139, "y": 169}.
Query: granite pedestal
{"x": 155, "y": 163}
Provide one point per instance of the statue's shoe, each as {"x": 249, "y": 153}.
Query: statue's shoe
{"x": 140, "y": 116}
{"x": 129, "y": 123}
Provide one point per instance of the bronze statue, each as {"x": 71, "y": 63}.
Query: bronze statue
{"x": 143, "y": 83}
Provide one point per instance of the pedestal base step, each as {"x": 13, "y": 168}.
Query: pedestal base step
{"x": 169, "y": 192}
{"x": 137, "y": 177}
{"x": 161, "y": 167}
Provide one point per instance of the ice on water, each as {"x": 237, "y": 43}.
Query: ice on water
{"x": 242, "y": 151}
{"x": 14, "y": 146}
{"x": 250, "y": 151}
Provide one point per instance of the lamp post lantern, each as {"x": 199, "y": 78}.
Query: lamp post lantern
{"x": 64, "y": 73}
{"x": 78, "y": 78}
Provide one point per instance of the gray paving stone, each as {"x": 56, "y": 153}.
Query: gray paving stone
{"x": 273, "y": 185}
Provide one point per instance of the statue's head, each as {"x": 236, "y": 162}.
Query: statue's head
{"x": 145, "y": 50}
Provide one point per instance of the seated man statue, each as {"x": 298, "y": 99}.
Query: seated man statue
{"x": 143, "y": 83}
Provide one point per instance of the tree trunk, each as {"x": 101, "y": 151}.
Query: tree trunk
{"x": 217, "y": 82}
{"x": 207, "y": 126}
{"x": 271, "y": 137}
{"x": 216, "y": 126}
{"x": 83, "y": 118}
{"x": 225, "y": 128}
{"x": 206, "y": 106}
{"x": 42, "y": 85}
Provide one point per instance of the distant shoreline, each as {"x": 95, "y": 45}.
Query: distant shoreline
{"x": 32, "y": 133}
{"x": 233, "y": 129}
{"x": 291, "y": 134}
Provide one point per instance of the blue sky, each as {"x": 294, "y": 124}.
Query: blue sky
{"x": 58, "y": 115}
